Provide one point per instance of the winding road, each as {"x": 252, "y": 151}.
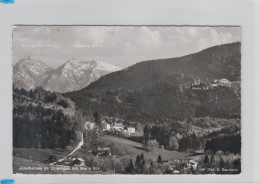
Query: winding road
{"x": 72, "y": 152}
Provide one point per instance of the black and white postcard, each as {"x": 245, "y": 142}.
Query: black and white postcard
{"x": 127, "y": 100}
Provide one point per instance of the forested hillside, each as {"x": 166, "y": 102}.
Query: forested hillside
{"x": 160, "y": 90}
{"x": 42, "y": 119}
{"x": 213, "y": 63}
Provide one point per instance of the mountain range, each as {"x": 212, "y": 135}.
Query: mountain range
{"x": 71, "y": 76}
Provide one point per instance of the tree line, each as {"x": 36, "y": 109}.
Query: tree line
{"x": 37, "y": 126}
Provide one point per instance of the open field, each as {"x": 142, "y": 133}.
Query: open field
{"x": 40, "y": 154}
{"x": 133, "y": 149}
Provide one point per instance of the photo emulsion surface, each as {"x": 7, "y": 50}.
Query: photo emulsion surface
{"x": 127, "y": 100}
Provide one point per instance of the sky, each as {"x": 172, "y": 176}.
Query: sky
{"x": 118, "y": 45}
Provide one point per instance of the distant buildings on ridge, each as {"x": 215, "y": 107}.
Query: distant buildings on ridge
{"x": 199, "y": 85}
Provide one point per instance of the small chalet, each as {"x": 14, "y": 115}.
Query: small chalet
{"x": 192, "y": 164}
{"x": 131, "y": 129}
{"x": 89, "y": 125}
{"x": 224, "y": 82}
{"x": 103, "y": 151}
{"x": 118, "y": 126}
{"x": 78, "y": 162}
{"x": 105, "y": 126}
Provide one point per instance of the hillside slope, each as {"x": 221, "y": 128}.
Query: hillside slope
{"x": 150, "y": 90}
{"x": 42, "y": 119}
{"x": 213, "y": 63}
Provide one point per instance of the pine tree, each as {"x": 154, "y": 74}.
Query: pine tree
{"x": 221, "y": 163}
{"x": 160, "y": 161}
{"x": 206, "y": 159}
{"x": 137, "y": 161}
{"x": 212, "y": 159}
{"x": 142, "y": 157}
{"x": 146, "y": 134}
{"x": 237, "y": 164}
{"x": 97, "y": 117}
{"x": 131, "y": 167}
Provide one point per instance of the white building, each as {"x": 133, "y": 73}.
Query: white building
{"x": 214, "y": 84}
{"x": 131, "y": 129}
{"x": 118, "y": 126}
{"x": 105, "y": 126}
{"x": 224, "y": 82}
{"x": 89, "y": 125}
{"x": 78, "y": 162}
{"x": 192, "y": 164}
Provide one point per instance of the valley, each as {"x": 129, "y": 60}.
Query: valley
{"x": 169, "y": 116}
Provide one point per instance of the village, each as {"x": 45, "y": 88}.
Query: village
{"x": 170, "y": 166}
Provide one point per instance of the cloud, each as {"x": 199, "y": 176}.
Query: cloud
{"x": 149, "y": 38}
{"x": 78, "y": 44}
{"x": 121, "y": 45}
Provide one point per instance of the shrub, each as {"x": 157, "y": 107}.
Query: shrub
{"x": 63, "y": 103}
{"x": 52, "y": 158}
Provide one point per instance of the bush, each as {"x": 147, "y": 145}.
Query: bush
{"x": 52, "y": 158}
{"x": 63, "y": 103}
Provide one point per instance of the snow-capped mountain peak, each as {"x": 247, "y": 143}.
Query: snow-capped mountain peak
{"x": 71, "y": 76}
{"x": 29, "y": 72}
{"x": 77, "y": 74}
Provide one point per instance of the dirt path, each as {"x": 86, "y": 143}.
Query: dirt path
{"x": 71, "y": 153}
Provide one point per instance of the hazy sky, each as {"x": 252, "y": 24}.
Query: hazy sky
{"x": 118, "y": 45}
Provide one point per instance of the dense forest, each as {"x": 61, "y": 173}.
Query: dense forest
{"x": 42, "y": 119}
{"x": 230, "y": 143}
{"x": 162, "y": 102}
{"x": 182, "y": 136}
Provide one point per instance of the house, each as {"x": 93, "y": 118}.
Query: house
{"x": 103, "y": 151}
{"x": 89, "y": 125}
{"x": 131, "y": 129}
{"x": 176, "y": 172}
{"x": 196, "y": 82}
{"x": 118, "y": 126}
{"x": 224, "y": 82}
{"x": 192, "y": 164}
{"x": 105, "y": 126}
{"x": 214, "y": 84}
{"x": 78, "y": 162}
